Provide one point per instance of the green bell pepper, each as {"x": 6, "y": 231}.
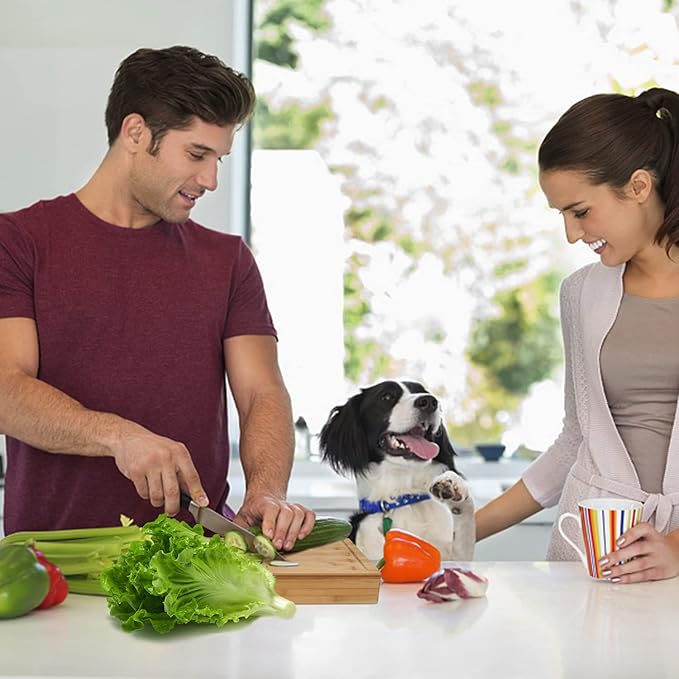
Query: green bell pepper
{"x": 24, "y": 581}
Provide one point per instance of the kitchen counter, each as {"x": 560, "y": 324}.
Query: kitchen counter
{"x": 543, "y": 620}
{"x": 317, "y": 486}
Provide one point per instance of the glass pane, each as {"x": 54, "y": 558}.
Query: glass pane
{"x": 395, "y": 206}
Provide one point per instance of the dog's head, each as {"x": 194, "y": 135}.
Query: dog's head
{"x": 396, "y": 421}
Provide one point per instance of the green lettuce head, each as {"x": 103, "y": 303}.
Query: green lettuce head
{"x": 178, "y": 576}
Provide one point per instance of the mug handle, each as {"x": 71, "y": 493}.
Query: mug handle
{"x": 568, "y": 515}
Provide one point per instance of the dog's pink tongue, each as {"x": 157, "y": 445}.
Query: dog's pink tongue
{"x": 420, "y": 446}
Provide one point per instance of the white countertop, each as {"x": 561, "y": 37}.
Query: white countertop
{"x": 542, "y": 620}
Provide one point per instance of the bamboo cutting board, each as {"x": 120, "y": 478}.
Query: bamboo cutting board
{"x": 337, "y": 573}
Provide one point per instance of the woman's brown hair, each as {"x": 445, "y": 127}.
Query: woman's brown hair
{"x": 609, "y": 136}
{"x": 171, "y": 86}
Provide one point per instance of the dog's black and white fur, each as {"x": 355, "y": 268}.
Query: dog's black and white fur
{"x": 386, "y": 437}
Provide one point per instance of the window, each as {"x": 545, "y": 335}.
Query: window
{"x": 395, "y": 208}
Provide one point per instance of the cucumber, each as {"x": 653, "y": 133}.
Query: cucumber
{"x": 264, "y": 547}
{"x": 235, "y": 539}
{"x": 327, "y": 529}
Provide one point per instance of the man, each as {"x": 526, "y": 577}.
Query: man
{"x": 119, "y": 317}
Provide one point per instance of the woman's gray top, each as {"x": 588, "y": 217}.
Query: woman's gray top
{"x": 640, "y": 373}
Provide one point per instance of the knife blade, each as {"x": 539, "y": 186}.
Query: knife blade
{"x": 217, "y": 523}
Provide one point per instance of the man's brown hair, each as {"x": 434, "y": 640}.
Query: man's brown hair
{"x": 169, "y": 87}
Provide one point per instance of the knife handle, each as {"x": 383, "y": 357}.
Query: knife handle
{"x": 184, "y": 499}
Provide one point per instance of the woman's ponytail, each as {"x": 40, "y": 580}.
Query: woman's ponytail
{"x": 664, "y": 106}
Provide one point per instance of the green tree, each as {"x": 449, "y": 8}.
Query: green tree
{"x": 290, "y": 126}
{"x": 375, "y": 215}
{"x": 273, "y": 38}
{"x": 510, "y": 351}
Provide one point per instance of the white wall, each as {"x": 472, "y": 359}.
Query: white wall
{"x": 57, "y": 61}
{"x": 298, "y": 239}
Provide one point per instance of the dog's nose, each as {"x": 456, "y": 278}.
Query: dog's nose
{"x": 427, "y": 404}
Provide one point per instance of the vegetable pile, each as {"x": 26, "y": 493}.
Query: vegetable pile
{"x": 82, "y": 554}
{"x": 176, "y": 575}
{"x": 162, "y": 574}
{"x": 28, "y": 581}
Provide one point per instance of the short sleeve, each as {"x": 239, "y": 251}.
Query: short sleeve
{"x": 17, "y": 264}
{"x": 248, "y": 311}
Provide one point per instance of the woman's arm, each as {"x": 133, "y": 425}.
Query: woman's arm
{"x": 513, "y": 506}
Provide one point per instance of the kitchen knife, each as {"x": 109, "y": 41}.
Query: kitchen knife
{"x": 215, "y": 522}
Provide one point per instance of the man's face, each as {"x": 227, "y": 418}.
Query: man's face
{"x": 168, "y": 184}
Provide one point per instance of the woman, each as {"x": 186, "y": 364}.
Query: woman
{"x": 610, "y": 166}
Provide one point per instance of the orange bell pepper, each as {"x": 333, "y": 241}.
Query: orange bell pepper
{"x": 408, "y": 558}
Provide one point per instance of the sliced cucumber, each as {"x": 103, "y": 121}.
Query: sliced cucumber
{"x": 264, "y": 547}
{"x": 235, "y": 539}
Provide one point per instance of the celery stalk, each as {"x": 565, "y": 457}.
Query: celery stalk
{"x": 26, "y": 537}
{"x": 81, "y": 554}
{"x": 85, "y": 585}
{"x": 81, "y": 549}
{"x": 90, "y": 567}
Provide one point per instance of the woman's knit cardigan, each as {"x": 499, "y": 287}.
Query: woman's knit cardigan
{"x": 589, "y": 459}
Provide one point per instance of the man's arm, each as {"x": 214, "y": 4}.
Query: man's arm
{"x": 46, "y": 418}
{"x": 267, "y": 439}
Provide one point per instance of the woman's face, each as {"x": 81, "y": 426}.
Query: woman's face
{"x": 616, "y": 225}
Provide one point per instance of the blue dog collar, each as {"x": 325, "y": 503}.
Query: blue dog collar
{"x": 381, "y": 506}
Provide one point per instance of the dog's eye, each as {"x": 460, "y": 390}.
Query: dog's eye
{"x": 388, "y": 397}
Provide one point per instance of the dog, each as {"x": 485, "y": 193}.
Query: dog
{"x": 391, "y": 439}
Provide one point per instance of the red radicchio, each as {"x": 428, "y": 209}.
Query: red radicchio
{"x": 450, "y": 584}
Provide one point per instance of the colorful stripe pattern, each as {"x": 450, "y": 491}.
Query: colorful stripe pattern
{"x": 600, "y": 530}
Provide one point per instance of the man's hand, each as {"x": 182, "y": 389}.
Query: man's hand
{"x": 158, "y": 467}
{"x": 281, "y": 521}
{"x": 648, "y": 555}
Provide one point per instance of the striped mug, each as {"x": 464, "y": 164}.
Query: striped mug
{"x": 602, "y": 521}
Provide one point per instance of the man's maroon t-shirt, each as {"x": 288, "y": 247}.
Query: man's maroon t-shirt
{"x": 131, "y": 322}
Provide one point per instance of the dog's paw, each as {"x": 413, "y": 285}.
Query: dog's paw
{"x": 450, "y": 489}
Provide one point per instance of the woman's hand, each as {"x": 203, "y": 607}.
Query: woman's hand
{"x": 648, "y": 555}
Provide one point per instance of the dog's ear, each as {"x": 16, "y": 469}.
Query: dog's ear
{"x": 446, "y": 451}
{"x": 343, "y": 442}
